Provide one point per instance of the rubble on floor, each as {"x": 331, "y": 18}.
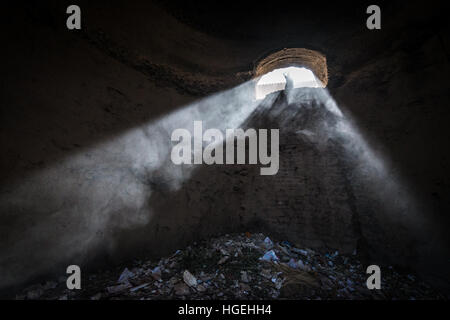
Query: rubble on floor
{"x": 240, "y": 266}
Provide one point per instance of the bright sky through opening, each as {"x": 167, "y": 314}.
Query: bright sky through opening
{"x": 275, "y": 81}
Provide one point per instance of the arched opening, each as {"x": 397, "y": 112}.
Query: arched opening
{"x": 276, "y": 81}
{"x": 307, "y": 68}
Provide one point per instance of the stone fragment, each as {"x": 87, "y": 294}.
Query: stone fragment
{"x": 189, "y": 279}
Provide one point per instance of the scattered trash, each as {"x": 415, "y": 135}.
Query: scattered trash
{"x": 245, "y": 287}
{"x": 301, "y": 251}
{"x": 139, "y": 287}
{"x": 201, "y": 288}
{"x": 268, "y": 243}
{"x": 244, "y": 277}
{"x": 125, "y": 275}
{"x": 270, "y": 256}
{"x": 285, "y": 251}
{"x": 223, "y": 260}
{"x": 176, "y": 253}
{"x": 156, "y": 273}
{"x": 293, "y": 264}
{"x": 181, "y": 289}
{"x": 231, "y": 267}
{"x": 118, "y": 288}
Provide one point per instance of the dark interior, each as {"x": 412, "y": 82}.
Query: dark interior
{"x": 85, "y": 116}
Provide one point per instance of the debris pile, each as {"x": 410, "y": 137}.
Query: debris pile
{"x": 240, "y": 266}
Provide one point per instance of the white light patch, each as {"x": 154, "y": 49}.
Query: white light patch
{"x": 275, "y": 80}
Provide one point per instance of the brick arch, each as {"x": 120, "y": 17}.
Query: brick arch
{"x": 295, "y": 57}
